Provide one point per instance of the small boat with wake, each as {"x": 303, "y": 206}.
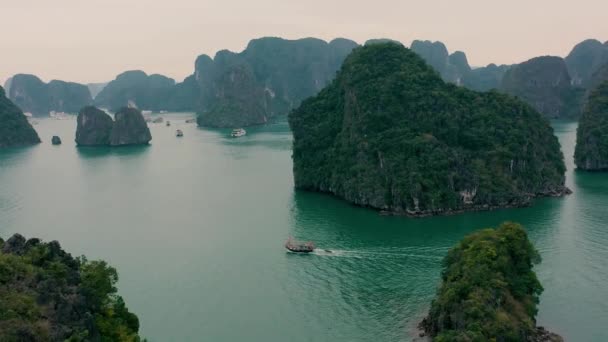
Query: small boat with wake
{"x": 238, "y": 132}
{"x": 299, "y": 247}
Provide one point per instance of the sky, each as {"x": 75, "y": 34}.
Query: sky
{"x": 94, "y": 40}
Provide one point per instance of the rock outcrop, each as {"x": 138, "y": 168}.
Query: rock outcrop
{"x": 390, "y": 134}
{"x": 544, "y": 83}
{"x": 39, "y": 98}
{"x": 56, "y": 140}
{"x": 489, "y": 291}
{"x": 452, "y": 68}
{"x": 135, "y": 88}
{"x": 585, "y": 59}
{"x": 591, "y": 153}
{"x": 15, "y": 130}
{"x": 269, "y": 78}
{"x": 94, "y": 127}
{"x": 129, "y": 128}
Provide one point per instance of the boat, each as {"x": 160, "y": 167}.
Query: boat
{"x": 299, "y": 247}
{"x": 238, "y": 132}
{"x": 190, "y": 120}
{"x": 168, "y": 123}
{"x": 158, "y": 120}
{"x": 179, "y": 133}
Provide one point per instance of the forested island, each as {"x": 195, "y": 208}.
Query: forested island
{"x": 390, "y": 134}
{"x": 269, "y": 78}
{"x": 591, "y": 153}
{"x": 39, "y": 98}
{"x": 15, "y": 130}
{"x": 489, "y": 291}
{"x": 48, "y": 295}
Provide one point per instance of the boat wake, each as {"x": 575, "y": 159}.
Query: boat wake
{"x": 370, "y": 254}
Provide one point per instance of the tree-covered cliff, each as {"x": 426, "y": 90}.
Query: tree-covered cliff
{"x": 388, "y": 133}
{"x": 591, "y": 153}
{"x": 544, "y": 83}
{"x": 48, "y": 295}
{"x": 489, "y": 291}
{"x": 269, "y": 78}
{"x": 585, "y": 59}
{"x": 32, "y": 95}
{"x": 15, "y": 130}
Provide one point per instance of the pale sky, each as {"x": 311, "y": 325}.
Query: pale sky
{"x": 94, "y": 40}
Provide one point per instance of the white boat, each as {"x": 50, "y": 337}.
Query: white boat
{"x": 59, "y": 115}
{"x": 179, "y": 133}
{"x": 238, "y": 132}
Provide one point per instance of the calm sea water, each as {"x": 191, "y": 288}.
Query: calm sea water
{"x": 195, "y": 227}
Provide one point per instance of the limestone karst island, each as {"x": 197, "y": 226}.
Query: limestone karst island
{"x": 303, "y": 171}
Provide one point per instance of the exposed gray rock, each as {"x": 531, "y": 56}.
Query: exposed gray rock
{"x": 94, "y": 127}
{"x": 129, "y": 128}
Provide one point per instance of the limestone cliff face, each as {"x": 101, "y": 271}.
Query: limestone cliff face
{"x": 93, "y": 128}
{"x": 544, "y": 83}
{"x": 96, "y": 128}
{"x": 39, "y": 98}
{"x": 390, "y": 134}
{"x": 591, "y": 153}
{"x": 15, "y": 130}
{"x": 129, "y": 128}
{"x": 135, "y": 88}
{"x": 584, "y": 60}
{"x": 269, "y": 78}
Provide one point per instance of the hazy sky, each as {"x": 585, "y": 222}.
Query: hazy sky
{"x": 93, "y": 40}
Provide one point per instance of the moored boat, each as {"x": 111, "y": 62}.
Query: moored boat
{"x": 179, "y": 133}
{"x": 238, "y": 132}
{"x": 299, "y": 247}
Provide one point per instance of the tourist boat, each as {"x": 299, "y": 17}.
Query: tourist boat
{"x": 158, "y": 120}
{"x": 299, "y": 247}
{"x": 190, "y": 120}
{"x": 168, "y": 123}
{"x": 238, "y": 132}
{"x": 179, "y": 133}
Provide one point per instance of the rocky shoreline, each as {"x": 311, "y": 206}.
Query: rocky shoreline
{"x": 476, "y": 208}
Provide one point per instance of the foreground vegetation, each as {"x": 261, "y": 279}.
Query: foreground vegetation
{"x": 489, "y": 291}
{"x": 47, "y": 295}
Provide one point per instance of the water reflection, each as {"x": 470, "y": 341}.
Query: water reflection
{"x": 91, "y": 152}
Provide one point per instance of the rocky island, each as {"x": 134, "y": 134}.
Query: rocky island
{"x": 544, "y": 83}
{"x": 489, "y": 291}
{"x": 96, "y": 128}
{"x": 390, "y": 134}
{"x": 48, "y": 295}
{"x": 591, "y": 153}
{"x": 15, "y": 130}
{"x": 32, "y": 95}
{"x": 269, "y": 78}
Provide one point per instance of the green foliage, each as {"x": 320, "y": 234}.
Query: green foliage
{"x": 591, "y": 151}
{"x": 390, "y": 134}
{"x": 489, "y": 291}
{"x": 14, "y": 128}
{"x": 47, "y": 295}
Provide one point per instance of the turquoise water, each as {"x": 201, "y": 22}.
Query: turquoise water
{"x": 195, "y": 227}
